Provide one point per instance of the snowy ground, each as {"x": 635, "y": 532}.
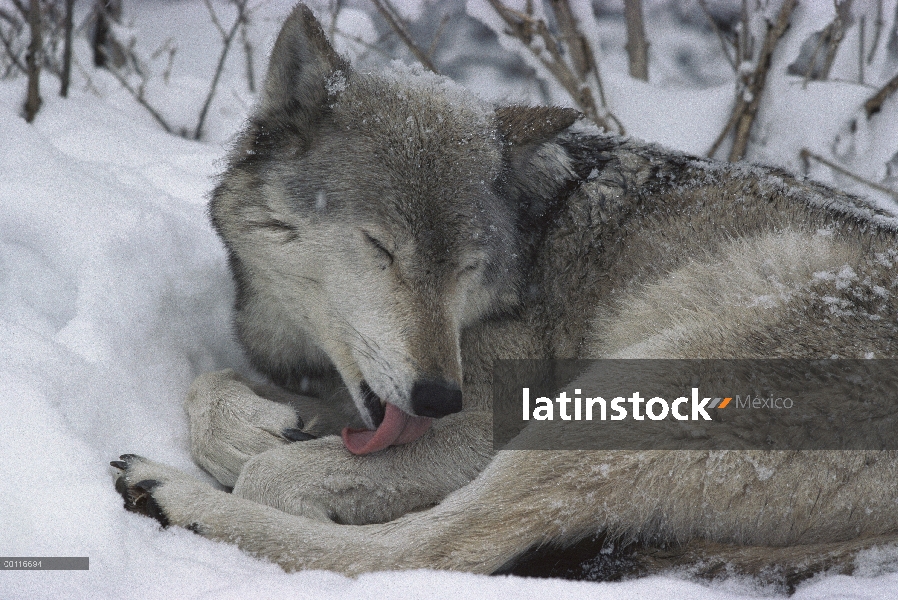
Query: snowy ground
{"x": 114, "y": 295}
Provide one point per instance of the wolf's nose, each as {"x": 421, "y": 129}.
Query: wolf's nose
{"x": 435, "y": 398}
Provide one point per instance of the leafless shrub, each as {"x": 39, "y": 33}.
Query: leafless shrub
{"x": 227, "y": 37}
{"x": 637, "y": 46}
{"x": 567, "y": 56}
{"x": 66, "y": 71}
{"x": 33, "y": 61}
{"x": 751, "y": 79}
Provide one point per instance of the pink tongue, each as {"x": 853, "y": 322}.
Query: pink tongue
{"x": 397, "y": 428}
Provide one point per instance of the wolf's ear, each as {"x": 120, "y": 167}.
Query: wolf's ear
{"x": 301, "y": 61}
{"x": 538, "y": 170}
{"x": 523, "y": 125}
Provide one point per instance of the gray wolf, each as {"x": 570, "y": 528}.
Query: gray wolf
{"x": 391, "y": 237}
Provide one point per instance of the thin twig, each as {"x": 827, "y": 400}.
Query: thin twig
{"x": 759, "y": 79}
{"x": 388, "y": 12}
{"x": 731, "y": 122}
{"x": 170, "y": 48}
{"x": 33, "y": 61}
{"x": 336, "y": 7}
{"x": 248, "y": 53}
{"x": 743, "y": 49}
{"x": 837, "y": 33}
{"x": 22, "y": 8}
{"x": 874, "y": 104}
{"x": 805, "y": 154}
{"x": 879, "y": 23}
{"x": 214, "y": 18}
{"x": 88, "y": 82}
{"x": 227, "y": 38}
{"x": 139, "y": 97}
{"x": 718, "y": 33}
{"x": 9, "y": 18}
{"x": 10, "y": 52}
{"x": 525, "y": 28}
{"x": 578, "y": 46}
{"x": 860, "y": 49}
{"x": 65, "y": 76}
{"x": 437, "y": 35}
{"x": 637, "y": 47}
{"x": 812, "y": 64}
{"x": 580, "y": 50}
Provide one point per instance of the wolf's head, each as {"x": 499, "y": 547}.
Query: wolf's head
{"x": 370, "y": 219}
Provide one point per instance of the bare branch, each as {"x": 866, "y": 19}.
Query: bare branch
{"x": 388, "y": 12}
{"x": 22, "y": 8}
{"x": 879, "y": 23}
{"x": 335, "y": 7}
{"x": 88, "y": 82}
{"x": 718, "y": 33}
{"x": 860, "y": 49}
{"x": 831, "y": 36}
{"x": 248, "y": 53}
{"x": 759, "y": 79}
{"x": 11, "y": 19}
{"x": 214, "y": 18}
{"x": 580, "y": 51}
{"x": 437, "y": 35}
{"x": 874, "y": 104}
{"x": 170, "y": 48}
{"x": 33, "y": 61}
{"x": 743, "y": 46}
{"x": 527, "y": 29}
{"x": 139, "y": 97}
{"x": 805, "y": 154}
{"x": 637, "y": 47}
{"x": 737, "y": 113}
{"x": 65, "y": 76}
{"x": 226, "y": 46}
{"x": 578, "y": 46}
{"x": 812, "y": 64}
{"x": 12, "y": 54}
{"x": 837, "y": 33}
{"x": 106, "y": 48}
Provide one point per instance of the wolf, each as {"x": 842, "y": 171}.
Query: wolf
{"x": 391, "y": 237}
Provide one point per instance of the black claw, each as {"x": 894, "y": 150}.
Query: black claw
{"x": 195, "y": 528}
{"x": 297, "y": 435}
{"x": 121, "y": 486}
{"x": 146, "y": 485}
{"x": 138, "y": 496}
{"x": 300, "y": 424}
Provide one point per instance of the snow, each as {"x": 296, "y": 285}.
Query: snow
{"x": 115, "y": 294}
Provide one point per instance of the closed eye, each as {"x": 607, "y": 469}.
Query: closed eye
{"x": 468, "y": 270}
{"x": 374, "y": 242}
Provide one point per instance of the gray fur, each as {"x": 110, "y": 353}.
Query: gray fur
{"x": 384, "y": 230}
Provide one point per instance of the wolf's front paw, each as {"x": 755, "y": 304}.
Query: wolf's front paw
{"x": 137, "y": 490}
{"x": 229, "y": 424}
{"x": 164, "y": 493}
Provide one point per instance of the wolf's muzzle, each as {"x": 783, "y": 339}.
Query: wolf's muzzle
{"x": 435, "y": 398}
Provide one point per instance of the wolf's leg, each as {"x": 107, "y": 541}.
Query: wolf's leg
{"x": 525, "y": 498}
{"x": 230, "y": 421}
{"x": 477, "y": 529}
{"x": 321, "y": 479}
